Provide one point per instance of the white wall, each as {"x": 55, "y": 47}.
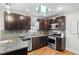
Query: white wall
{"x": 33, "y": 21}
{"x": 72, "y": 40}
{"x": 1, "y": 20}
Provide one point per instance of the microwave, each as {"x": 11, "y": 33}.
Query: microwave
{"x": 54, "y": 26}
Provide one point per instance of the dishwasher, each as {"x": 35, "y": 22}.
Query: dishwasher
{"x": 28, "y": 41}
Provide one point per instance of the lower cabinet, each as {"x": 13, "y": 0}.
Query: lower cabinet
{"x": 39, "y": 42}
{"x": 60, "y": 44}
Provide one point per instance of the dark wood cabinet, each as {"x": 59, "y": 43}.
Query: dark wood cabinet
{"x": 16, "y": 22}
{"x": 38, "y": 42}
{"x": 43, "y": 41}
{"x": 60, "y": 44}
{"x": 43, "y": 24}
{"x": 46, "y": 24}
{"x": 61, "y": 22}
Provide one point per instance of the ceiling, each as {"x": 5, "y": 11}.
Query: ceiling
{"x": 21, "y": 7}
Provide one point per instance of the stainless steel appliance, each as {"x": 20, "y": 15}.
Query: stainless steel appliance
{"x": 52, "y": 42}
{"x": 54, "y": 26}
{"x": 56, "y": 39}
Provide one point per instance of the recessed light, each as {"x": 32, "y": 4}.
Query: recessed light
{"x": 36, "y": 8}
{"x": 49, "y": 9}
{"x": 60, "y": 8}
{"x": 27, "y": 9}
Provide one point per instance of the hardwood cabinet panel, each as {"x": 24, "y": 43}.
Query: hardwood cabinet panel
{"x": 46, "y": 24}
{"x": 43, "y": 24}
{"x": 38, "y": 42}
{"x": 61, "y": 22}
{"x": 59, "y": 44}
{"x": 14, "y": 22}
{"x": 43, "y": 41}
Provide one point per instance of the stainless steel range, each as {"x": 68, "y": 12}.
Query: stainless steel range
{"x": 56, "y": 39}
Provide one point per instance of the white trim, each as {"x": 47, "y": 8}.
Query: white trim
{"x": 73, "y": 51}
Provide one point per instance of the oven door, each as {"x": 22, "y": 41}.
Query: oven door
{"x": 52, "y": 40}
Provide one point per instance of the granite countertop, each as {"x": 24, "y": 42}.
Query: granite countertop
{"x": 11, "y": 45}
{"x": 15, "y": 40}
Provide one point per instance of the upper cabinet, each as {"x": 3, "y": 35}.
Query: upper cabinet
{"x": 47, "y": 24}
{"x": 61, "y": 22}
{"x": 43, "y": 24}
{"x": 16, "y": 22}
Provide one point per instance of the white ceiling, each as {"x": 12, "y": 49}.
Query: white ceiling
{"x": 21, "y": 7}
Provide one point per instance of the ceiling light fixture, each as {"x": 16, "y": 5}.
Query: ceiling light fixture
{"x": 27, "y": 10}
{"x": 49, "y": 9}
{"x": 42, "y": 10}
{"x": 60, "y": 8}
{"x": 36, "y": 8}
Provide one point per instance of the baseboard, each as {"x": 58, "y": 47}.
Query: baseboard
{"x": 73, "y": 51}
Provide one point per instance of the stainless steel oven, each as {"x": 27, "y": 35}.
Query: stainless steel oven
{"x": 52, "y": 42}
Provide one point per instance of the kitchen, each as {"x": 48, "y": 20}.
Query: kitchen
{"x": 23, "y": 33}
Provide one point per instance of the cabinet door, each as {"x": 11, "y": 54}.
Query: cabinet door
{"x": 27, "y": 23}
{"x": 38, "y": 42}
{"x": 46, "y": 24}
{"x": 16, "y": 22}
{"x": 59, "y": 44}
{"x": 61, "y": 22}
{"x": 9, "y": 22}
{"x": 43, "y": 41}
{"x": 41, "y": 24}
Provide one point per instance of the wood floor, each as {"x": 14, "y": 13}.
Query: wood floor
{"x": 48, "y": 51}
